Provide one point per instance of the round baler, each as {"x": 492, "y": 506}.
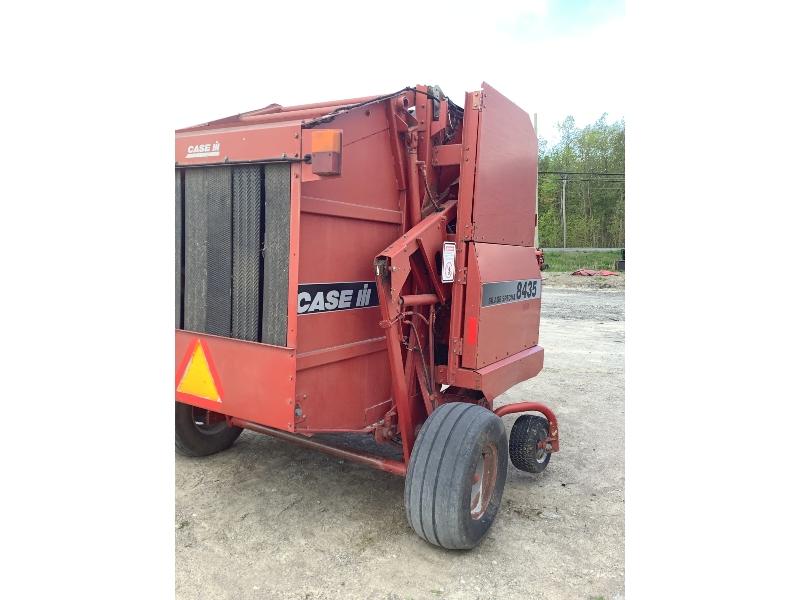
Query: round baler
{"x": 366, "y": 266}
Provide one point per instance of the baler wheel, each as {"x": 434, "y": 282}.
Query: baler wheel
{"x": 456, "y": 475}
{"x": 523, "y": 444}
{"x": 195, "y": 435}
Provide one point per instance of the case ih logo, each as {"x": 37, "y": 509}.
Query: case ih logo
{"x": 328, "y": 297}
{"x": 203, "y": 150}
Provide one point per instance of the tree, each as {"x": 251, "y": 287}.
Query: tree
{"x": 595, "y": 205}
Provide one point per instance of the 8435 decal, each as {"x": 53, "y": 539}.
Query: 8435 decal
{"x": 517, "y": 290}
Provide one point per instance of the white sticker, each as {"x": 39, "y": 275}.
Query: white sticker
{"x": 448, "y": 262}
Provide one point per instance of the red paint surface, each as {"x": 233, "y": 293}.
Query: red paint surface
{"x": 243, "y": 144}
{"x": 258, "y": 380}
{"x": 352, "y": 218}
{"x": 504, "y": 329}
{"x": 504, "y": 211}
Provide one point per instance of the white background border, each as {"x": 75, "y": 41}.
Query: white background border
{"x": 91, "y": 95}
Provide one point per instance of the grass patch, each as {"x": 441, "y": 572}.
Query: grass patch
{"x": 572, "y": 261}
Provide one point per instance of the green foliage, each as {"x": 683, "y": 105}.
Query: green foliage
{"x": 572, "y": 261}
{"x": 595, "y": 209}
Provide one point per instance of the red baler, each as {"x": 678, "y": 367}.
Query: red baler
{"x": 366, "y": 266}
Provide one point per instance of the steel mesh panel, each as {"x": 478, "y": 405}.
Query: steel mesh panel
{"x": 196, "y": 265}
{"x": 207, "y": 232}
{"x": 218, "y": 307}
{"x": 222, "y": 219}
{"x": 277, "y": 181}
{"x": 246, "y": 252}
{"x": 178, "y": 247}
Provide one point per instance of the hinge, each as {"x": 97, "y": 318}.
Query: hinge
{"x": 469, "y": 232}
{"x": 477, "y": 100}
{"x": 457, "y": 345}
{"x": 461, "y": 276}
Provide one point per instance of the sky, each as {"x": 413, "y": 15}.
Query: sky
{"x": 551, "y": 57}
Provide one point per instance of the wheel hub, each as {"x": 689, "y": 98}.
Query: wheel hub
{"x": 483, "y": 481}
{"x": 205, "y": 421}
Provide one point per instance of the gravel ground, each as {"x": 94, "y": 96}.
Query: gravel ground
{"x": 267, "y": 519}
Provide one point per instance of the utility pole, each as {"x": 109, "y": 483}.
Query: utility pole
{"x": 564, "y": 211}
{"x": 536, "y": 229}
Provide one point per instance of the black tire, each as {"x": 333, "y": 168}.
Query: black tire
{"x": 442, "y": 504}
{"x": 192, "y": 439}
{"x": 527, "y": 432}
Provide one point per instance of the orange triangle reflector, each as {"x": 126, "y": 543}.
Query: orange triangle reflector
{"x": 197, "y": 379}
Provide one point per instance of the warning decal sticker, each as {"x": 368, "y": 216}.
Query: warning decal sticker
{"x": 197, "y": 379}
{"x": 448, "y": 262}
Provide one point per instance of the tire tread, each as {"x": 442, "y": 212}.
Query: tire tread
{"x": 190, "y": 442}
{"x": 526, "y": 431}
{"x": 434, "y": 490}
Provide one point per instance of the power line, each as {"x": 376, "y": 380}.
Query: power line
{"x": 579, "y": 173}
{"x": 600, "y": 182}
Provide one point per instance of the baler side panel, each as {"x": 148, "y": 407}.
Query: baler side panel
{"x": 255, "y": 381}
{"x": 367, "y": 177}
{"x": 504, "y": 210}
{"x": 272, "y": 141}
{"x": 347, "y": 394}
{"x": 496, "y": 217}
{"x": 343, "y": 383}
{"x": 493, "y": 333}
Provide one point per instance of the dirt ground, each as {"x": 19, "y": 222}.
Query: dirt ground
{"x": 268, "y": 519}
{"x": 596, "y": 282}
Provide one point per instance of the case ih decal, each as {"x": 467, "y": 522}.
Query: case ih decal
{"x": 330, "y": 297}
{"x": 202, "y": 150}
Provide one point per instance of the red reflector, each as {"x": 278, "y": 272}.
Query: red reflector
{"x": 472, "y": 330}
